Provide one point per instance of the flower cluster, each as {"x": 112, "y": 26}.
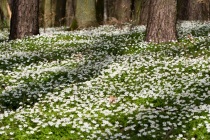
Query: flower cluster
{"x": 104, "y": 83}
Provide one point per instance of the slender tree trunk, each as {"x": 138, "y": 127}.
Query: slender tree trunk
{"x": 10, "y": 3}
{"x": 105, "y": 11}
{"x": 100, "y": 11}
{"x": 47, "y": 13}
{"x": 111, "y": 8}
{"x": 70, "y": 11}
{"x": 161, "y": 25}
{"x": 53, "y": 12}
{"x": 60, "y": 12}
{"x": 145, "y": 7}
{"x": 209, "y": 10}
{"x": 25, "y": 20}
{"x": 86, "y": 13}
{"x": 5, "y": 14}
{"x": 136, "y": 7}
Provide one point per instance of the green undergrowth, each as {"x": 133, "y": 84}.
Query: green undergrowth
{"x": 105, "y": 83}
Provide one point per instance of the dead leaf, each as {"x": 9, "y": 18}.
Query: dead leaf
{"x": 112, "y": 99}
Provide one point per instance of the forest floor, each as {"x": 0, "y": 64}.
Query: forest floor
{"x": 106, "y": 83}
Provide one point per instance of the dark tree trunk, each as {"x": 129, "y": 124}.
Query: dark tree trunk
{"x": 209, "y": 11}
{"x": 70, "y": 11}
{"x": 60, "y": 12}
{"x": 136, "y": 11}
{"x": 182, "y": 11}
{"x": 144, "y": 13}
{"x": 110, "y": 12}
{"x": 161, "y": 25}
{"x": 111, "y": 8}
{"x": 118, "y": 11}
{"x": 100, "y": 11}
{"x": 198, "y": 9}
{"x": 25, "y": 20}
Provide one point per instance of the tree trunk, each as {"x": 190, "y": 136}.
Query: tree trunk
{"x": 136, "y": 11}
{"x": 5, "y": 14}
{"x": 105, "y": 11}
{"x": 100, "y": 11}
{"x": 25, "y": 20}
{"x": 111, "y": 8}
{"x": 198, "y": 9}
{"x": 123, "y": 10}
{"x": 53, "y": 13}
{"x": 145, "y": 7}
{"x": 182, "y": 10}
{"x": 60, "y": 12}
{"x": 161, "y": 25}
{"x": 70, "y": 11}
{"x": 86, "y": 13}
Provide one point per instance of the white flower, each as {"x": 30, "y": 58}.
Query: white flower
{"x": 51, "y": 123}
{"x": 180, "y": 135}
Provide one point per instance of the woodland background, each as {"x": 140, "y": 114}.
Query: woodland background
{"x": 62, "y": 12}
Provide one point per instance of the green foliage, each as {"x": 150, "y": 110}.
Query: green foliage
{"x": 104, "y": 83}
{"x": 73, "y": 25}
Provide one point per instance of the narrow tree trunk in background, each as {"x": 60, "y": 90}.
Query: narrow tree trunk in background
{"x": 209, "y": 10}
{"x": 145, "y": 7}
{"x": 198, "y": 9}
{"x": 60, "y": 12}
{"x": 111, "y": 8}
{"x": 182, "y": 11}
{"x": 161, "y": 26}
{"x": 1, "y": 20}
{"x": 25, "y": 20}
{"x": 137, "y": 4}
{"x": 105, "y": 11}
{"x": 123, "y": 10}
{"x": 70, "y": 11}
{"x": 86, "y": 13}
{"x": 100, "y": 11}
{"x": 5, "y": 14}
{"x": 41, "y": 13}
{"x": 10, "y": 3}
{"x": 47, "y": 13}
{"x": 53, "y": 12}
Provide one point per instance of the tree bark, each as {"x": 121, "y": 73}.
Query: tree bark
{"x": 47, "y": 13}
{"x": 145, "y": 7}
{"x": 86, "y": 13}
{"x": 70, "y": 11}
{"x": 123, "y": 10}
{"x": 111, "y": 8}
{"x": 25, "y": 20}
{"x": 105, "y": 11}
{"x": 53, "y": 12}
{"x": 100, "y": 11}
{"x": 182, "y": 10}
{"x": 136, "y": 11}
{"x": 198, "y": 9}
{"x": 60, "y": 12}
{"x": 161, "y": 25}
